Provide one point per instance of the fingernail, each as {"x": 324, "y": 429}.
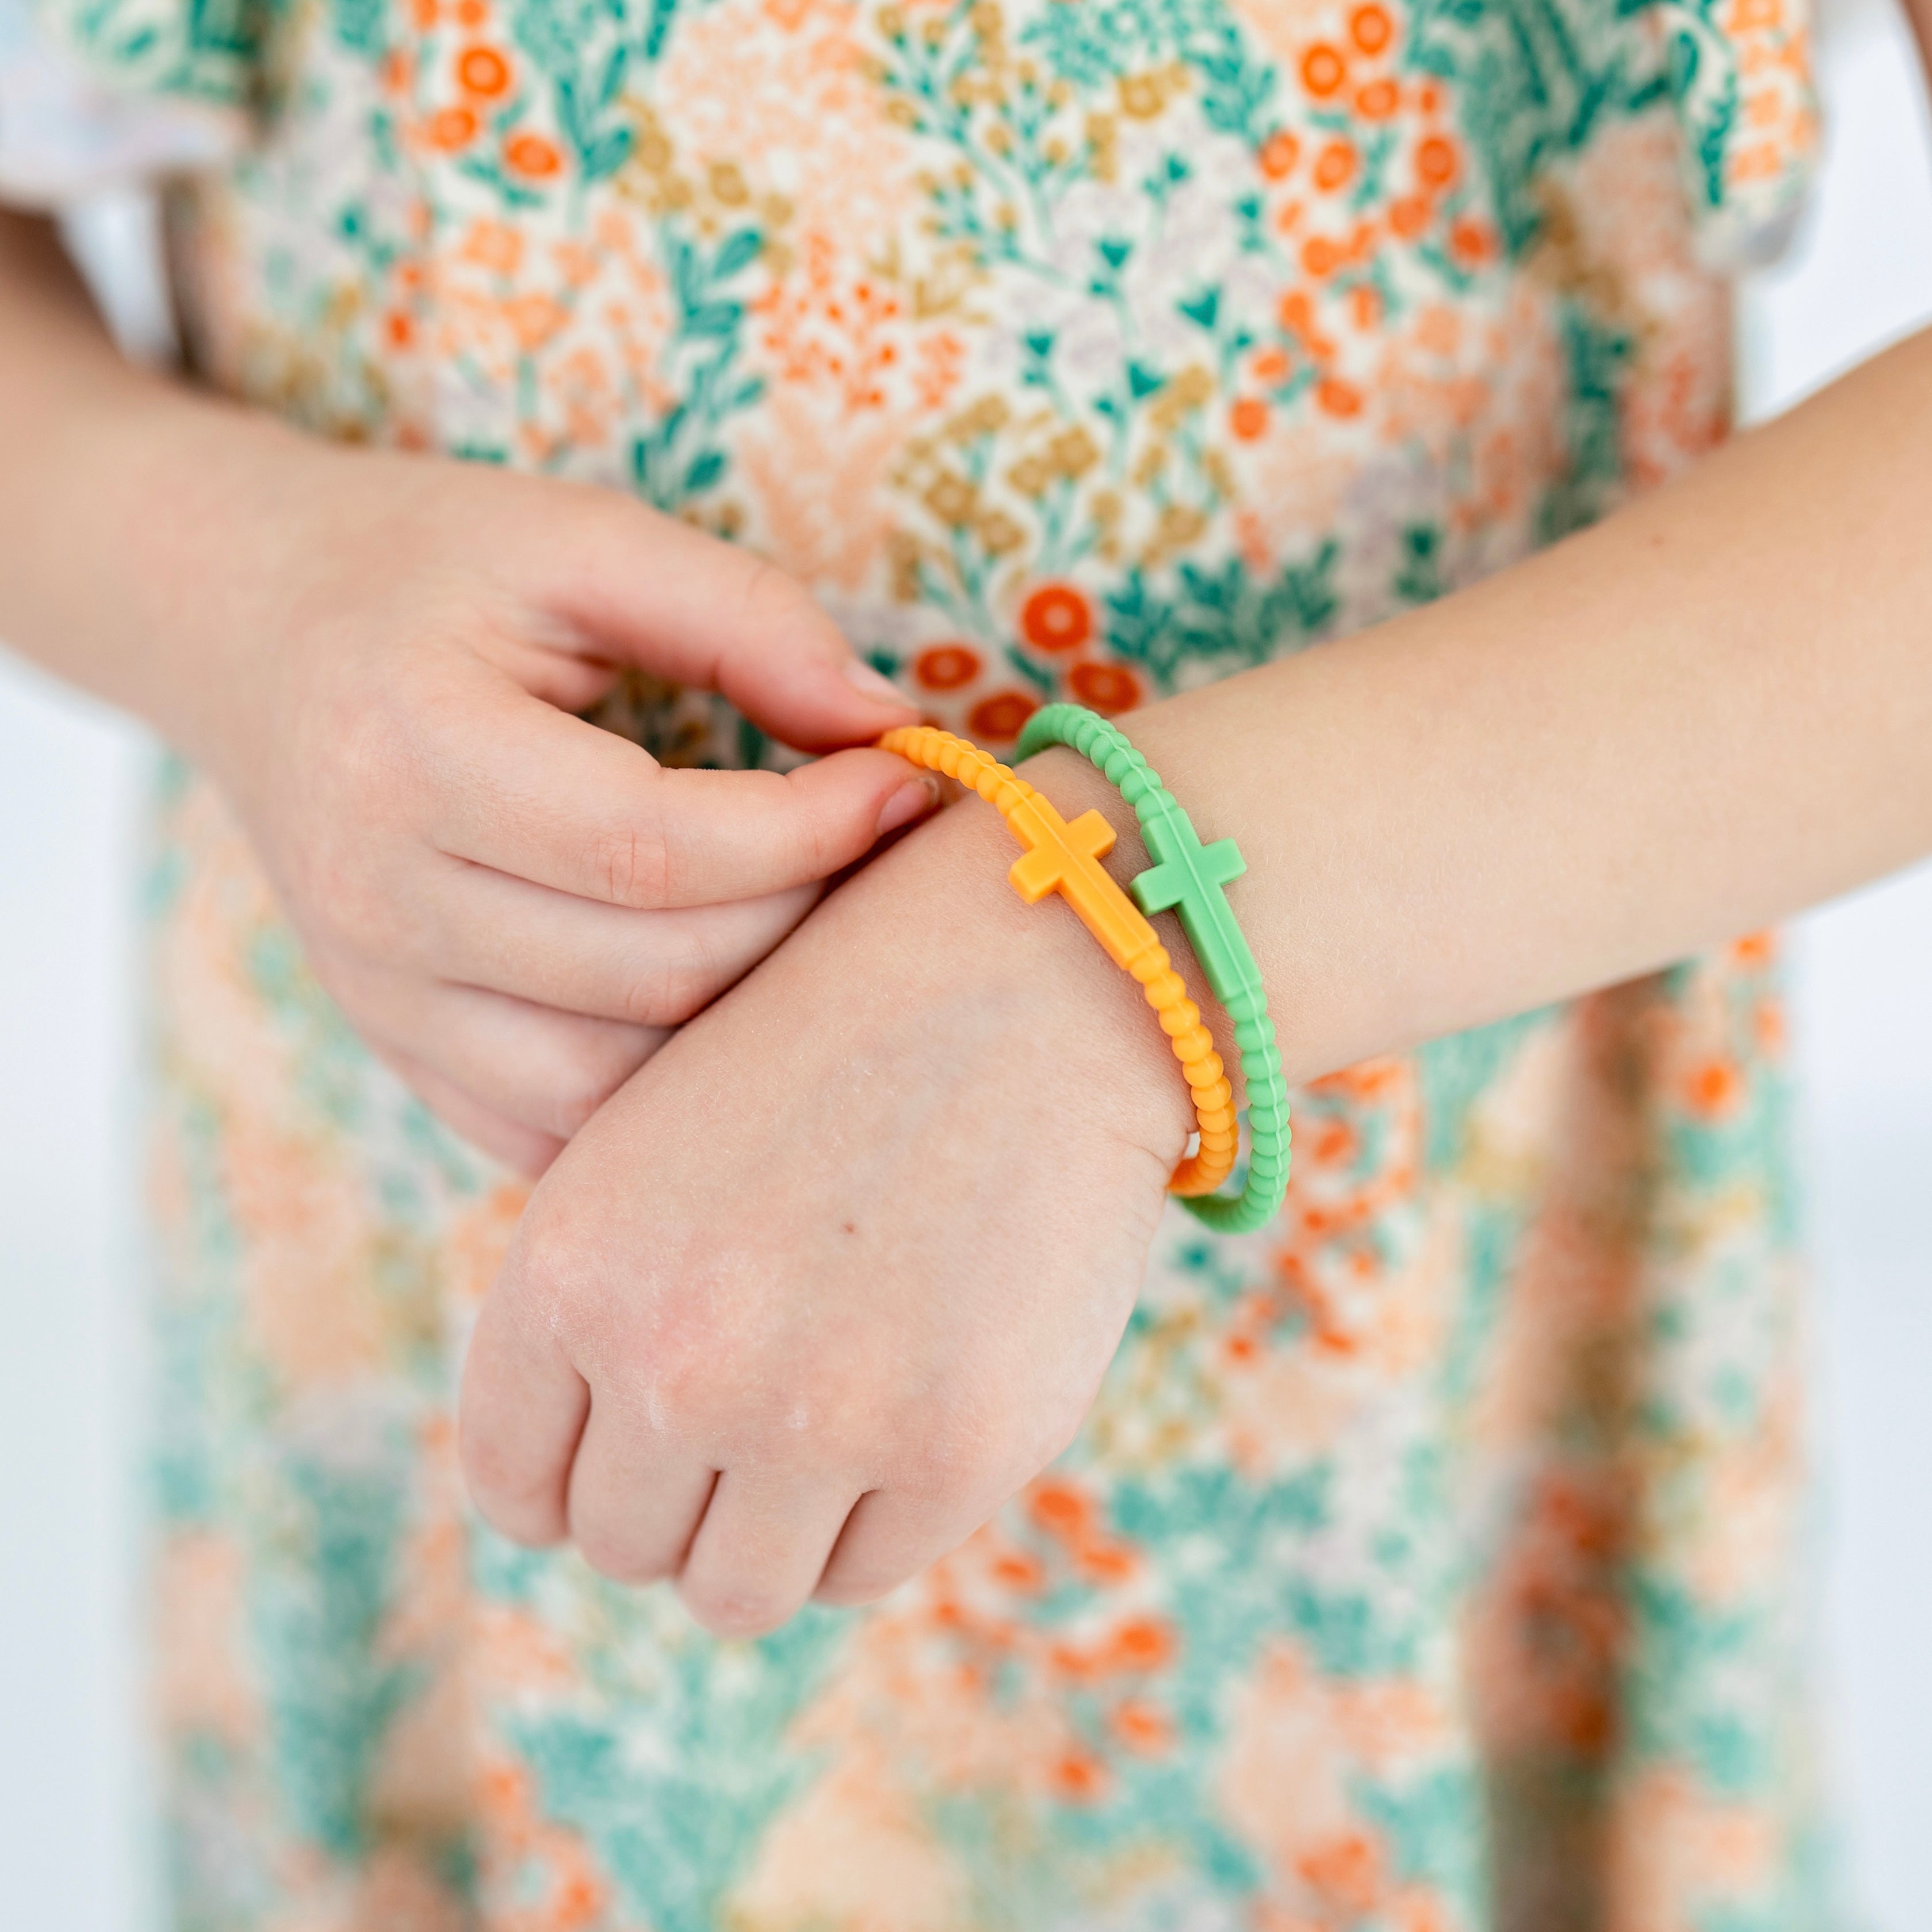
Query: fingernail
{"x": 870, "y": 683}
{"x": 915, "y": 796}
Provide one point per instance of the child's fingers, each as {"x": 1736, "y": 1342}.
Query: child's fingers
{"x": 635, "y": 1498}
{"x": 760, "y": 1549}
{"x": 521, "y": 1411}
{"x": 651, "y": 969}
{"x": 892, "y": 1535}
{"x": 563, "y": 804}
{"x": 547, "y": 1071}
{"x": 650, "y": 590}
{"x": 517, "y": 1146}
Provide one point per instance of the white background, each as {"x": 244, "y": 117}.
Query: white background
{"x": 72, "y": 1856}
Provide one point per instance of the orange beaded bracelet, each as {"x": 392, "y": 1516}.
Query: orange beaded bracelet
{"x": 1065, "y": 859}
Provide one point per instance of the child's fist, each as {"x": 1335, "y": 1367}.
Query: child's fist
{"x": 841, "y": 1269}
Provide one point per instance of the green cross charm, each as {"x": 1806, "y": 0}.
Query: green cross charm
{"x": 1189, "y": 877}
{"x": 1192, "y": 877}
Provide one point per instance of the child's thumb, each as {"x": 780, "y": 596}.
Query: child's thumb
{"x": 651, "y": 591}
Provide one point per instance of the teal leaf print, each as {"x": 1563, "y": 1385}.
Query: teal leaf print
{"x": 682, "y": 455}
{"x": 319, "y": 1606}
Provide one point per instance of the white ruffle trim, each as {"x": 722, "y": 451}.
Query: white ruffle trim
{"x": 64, "y": 135}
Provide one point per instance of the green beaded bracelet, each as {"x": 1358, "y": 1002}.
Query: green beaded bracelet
{"x": 1190, "y": 878}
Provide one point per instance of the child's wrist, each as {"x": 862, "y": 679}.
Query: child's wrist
{"x": 1115, "y": 1058}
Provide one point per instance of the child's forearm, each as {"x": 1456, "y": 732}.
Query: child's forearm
{"x": 376, "y": 657}
{"x": 130, "y": 523}
{"x": 1709, "y": 712}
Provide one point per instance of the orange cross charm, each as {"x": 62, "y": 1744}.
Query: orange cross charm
{"x": 1065, "y": 859}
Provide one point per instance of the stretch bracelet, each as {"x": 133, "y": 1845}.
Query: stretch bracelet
{"x": 1191, "y": 878}
{"x": 1065, "y": 859}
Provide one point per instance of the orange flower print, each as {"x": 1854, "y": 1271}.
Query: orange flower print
{"x": 495, "y": 245}
{"x": 1002, "y": 716}
{"x": 1436, "y": 161}
{"x": 532, "y": 156}
{"x": 1338, "y": 398}
{"x": 1056, "y": 618}
{"x": 1345, "y": 1872}
{"x": 1079, "y": 1778}
{"x": 579, "y": 1901}
{"x": 946, "y": 667}
{"x": 1141, "y": 1727}
{"x": 1142, "y": 1643}
{"x": 450, "y": 128}
{"x": 1323, "y": 71}
{"x": 1105, "y": 687}
{"x": 1335, "y": 165}
{"x": 1105, "y": 1562}
{"x": 1409, "y": 216}
{"x": 1714, "y": 1089}
{"x": 1371, "y": 28}
{"x": 1320, "y": 256}
{"x": 1059, "y": 1508}
{"x": 1248, "y": 417}
{"x": 1018, "y": 1571}
{"x": 483, "y": 71}
{"x": 534, "y": 320}
{"x": 1378, "y": 100}
{"x": 1297, "y": 315}
{"x": 1279, "y": 154}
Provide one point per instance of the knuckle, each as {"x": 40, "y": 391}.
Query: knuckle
{"x": 635, "y": 865}
{"x": 352, "y": 907}
{"x": 584, "y": 1084}
{"x": 570, "y": 1298}
{"x": 939, "y": 1486}
{"x": 816, "y": 823}
{"x": 793, "y": 830}
{"x": 677, "y": 986}
{"x": 736, "y": 1607}
{"x": 378, "y": 741}
{"x": 946, "y": 1455}
{"x": 548, "y": 1283}
{"x": 767, "y": 594}
{"x": 525, "y": 1510}
{"x": 1051, "y": 1441}
{"x": 853, "y": 1585}
{"x": 608, "y": 1552}
{"x": 372, "y": 731}
{"x": 365, "y": 785}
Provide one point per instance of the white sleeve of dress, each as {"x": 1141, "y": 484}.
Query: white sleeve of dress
{"x": 67, "y": 134}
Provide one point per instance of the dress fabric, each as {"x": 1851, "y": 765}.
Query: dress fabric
{"x": 1430, "y": 1561}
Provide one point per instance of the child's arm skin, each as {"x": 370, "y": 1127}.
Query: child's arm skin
{"x": 863, "y": 1239}
{"x": 376, "y": 657}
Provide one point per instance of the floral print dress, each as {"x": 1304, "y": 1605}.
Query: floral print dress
{"x": 1429, "y": 1562}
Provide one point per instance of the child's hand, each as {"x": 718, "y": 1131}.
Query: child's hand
{"x": 511, "y": 904}
{"x": 870, "y": 1229}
